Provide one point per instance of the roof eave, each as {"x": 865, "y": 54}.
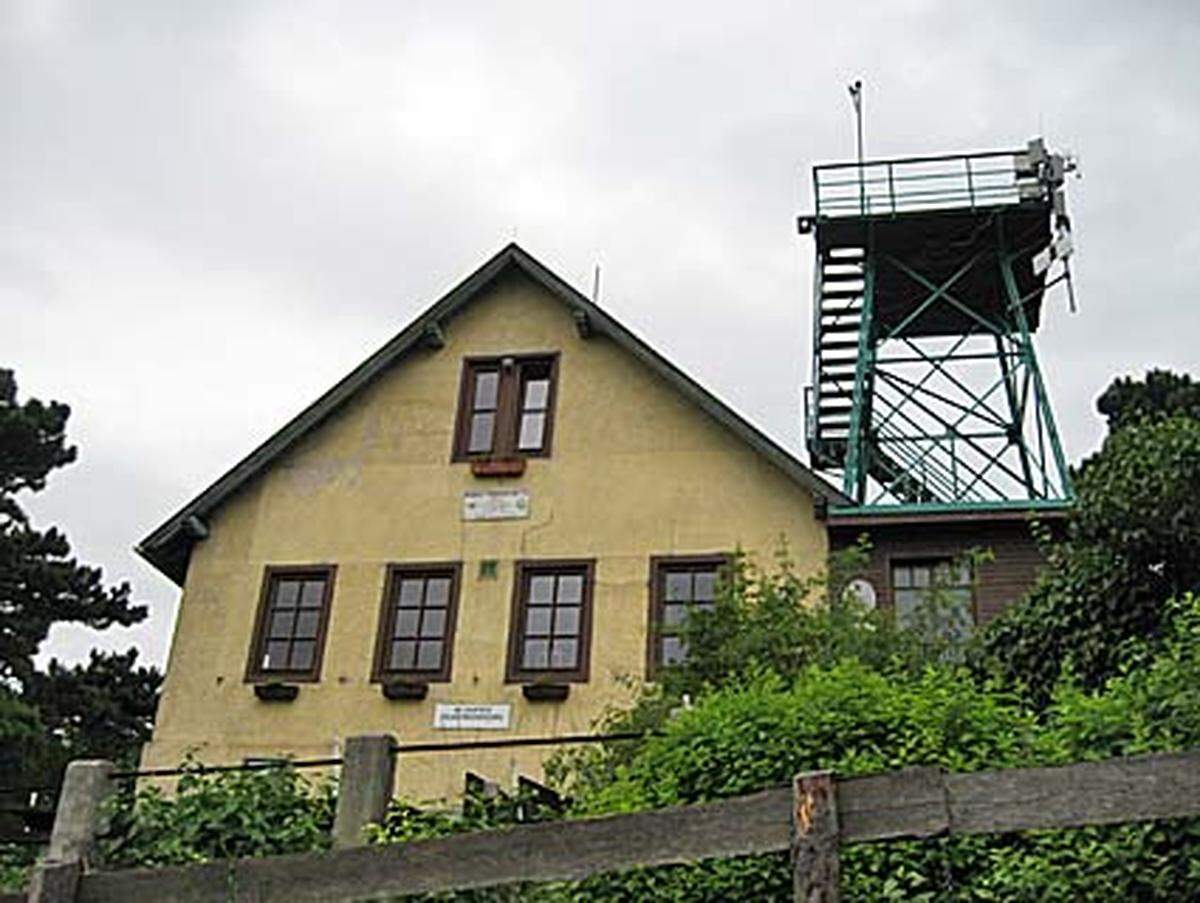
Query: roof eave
{"x": 997, "y": 511}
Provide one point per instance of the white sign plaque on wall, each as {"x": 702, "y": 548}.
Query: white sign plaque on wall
{"x": 456, "y": 717}
{"x": 503, "y": 504}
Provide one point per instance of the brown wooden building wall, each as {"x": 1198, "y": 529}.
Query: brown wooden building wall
{"x": 896, "y": 539}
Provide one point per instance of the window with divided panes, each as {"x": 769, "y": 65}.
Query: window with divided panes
{"x": 935, "y": 592}
{"x": 506, "y": 408}
{"x": 292, "y": 619}
{"x": 679, "y": 586}
{"x": 552, "y": 621}
{"x": 417, "y": 622}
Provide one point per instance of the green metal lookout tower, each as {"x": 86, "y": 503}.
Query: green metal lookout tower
{"x": 928, "y": 288}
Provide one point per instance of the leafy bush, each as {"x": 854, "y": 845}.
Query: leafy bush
{"x": 782, "y": 621}
{"x": 16, "y": 861}
{"x": 855, "y": 720}
{"x": 1132, "y": 541}
{"x": 404, "y": 822}
{"x": 231, "y": 814}
{"x": 849, "y": 718}
{"x": 1153, "y": 706}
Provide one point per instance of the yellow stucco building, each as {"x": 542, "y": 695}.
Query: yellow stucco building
{"x": 488, "y": 529}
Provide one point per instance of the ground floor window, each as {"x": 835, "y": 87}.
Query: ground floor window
{"x": 293, "y": 615}
{"x": 678, "y": 586}
{"x": 935, "y": 594}
{"x": 416, "y": 626}
{"x": 551, "y": 624}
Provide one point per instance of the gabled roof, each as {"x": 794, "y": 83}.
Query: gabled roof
{"x": 169, "y": 546}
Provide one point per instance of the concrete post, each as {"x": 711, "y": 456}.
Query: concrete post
{"x": 86, "y": 785}
{"x": 365, "y": 788}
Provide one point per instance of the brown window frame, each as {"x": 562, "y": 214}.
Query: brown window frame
{"x": 505, "y": 429}
{"x": 387, "y": 619}
{"x": 523, "y": 571}
{"x": 660, "y": 566}
{"x": 272, "y": 575}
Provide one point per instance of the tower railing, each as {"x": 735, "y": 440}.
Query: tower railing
{"x": 913, "y": 184}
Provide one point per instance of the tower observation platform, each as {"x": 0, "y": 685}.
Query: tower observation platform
{"x": 930, "y": 281}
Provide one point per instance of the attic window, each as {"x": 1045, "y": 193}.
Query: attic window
{"x": 506, "y": 408}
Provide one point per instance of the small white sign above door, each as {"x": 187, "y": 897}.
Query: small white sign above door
{"x": 456, "y": 717}
{"x": 503, "y": 504}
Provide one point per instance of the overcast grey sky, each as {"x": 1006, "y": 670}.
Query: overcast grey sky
{"x": 211, "y": 211}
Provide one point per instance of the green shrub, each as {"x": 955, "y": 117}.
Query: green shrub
{"x": 775, "y": 622}
{"x": 1153, "y": 706}
{"x": 404, "y": 822}
{"x": 1132, "y": 541}
{"x": 230, "y": 814}
{"x": 849, "y": 718}
{"x": 16, "y": 861}
{"x": 855, "y": 720}
{"x": 783, "y": 621}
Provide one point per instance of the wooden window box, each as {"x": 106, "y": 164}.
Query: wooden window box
{"x": 508, "y": 467}
{"x": 276, "y": 692}
{"x": 404, "y": 689}
{"x": 546, "y": 692}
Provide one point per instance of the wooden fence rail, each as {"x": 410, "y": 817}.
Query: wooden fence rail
{"x": 811, "y": 818}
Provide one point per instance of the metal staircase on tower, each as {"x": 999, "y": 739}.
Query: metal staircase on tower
{"x": 929, "y": 281}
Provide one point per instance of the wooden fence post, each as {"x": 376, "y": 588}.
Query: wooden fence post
{"x": 365, "y": 788}
{"x": 816, "y": 870}
{"x": 86, "y": 785}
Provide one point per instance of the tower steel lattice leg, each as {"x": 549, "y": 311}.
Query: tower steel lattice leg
{"x": 1029, "y": 358}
